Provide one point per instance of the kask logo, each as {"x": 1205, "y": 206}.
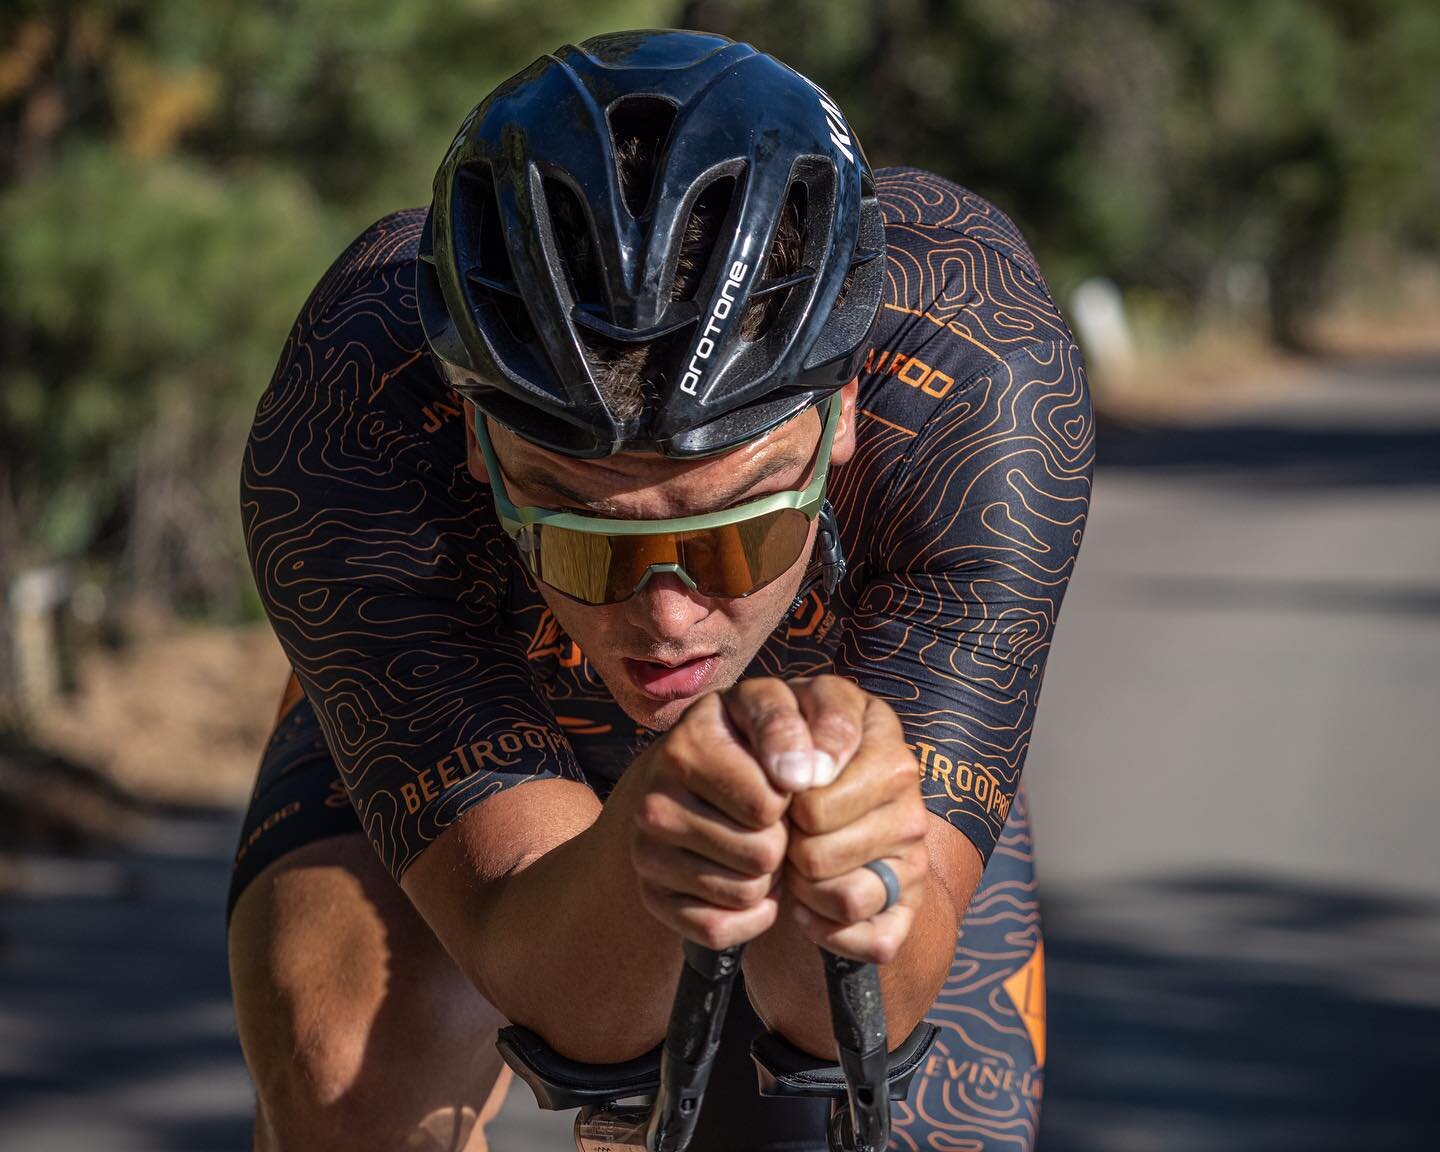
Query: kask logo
{"x": 839, "y": 136}
{"x": 839, "y": 133}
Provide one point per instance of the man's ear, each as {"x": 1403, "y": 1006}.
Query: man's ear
{"x": 844, "y": 446}
{"x": 473, "y": 460}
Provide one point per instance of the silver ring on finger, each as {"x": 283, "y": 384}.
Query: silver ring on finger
{"x": 889, "y": 879}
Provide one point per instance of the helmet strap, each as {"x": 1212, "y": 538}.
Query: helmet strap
{"x": 829, "y": 555}
{"x": 832, "y": 552}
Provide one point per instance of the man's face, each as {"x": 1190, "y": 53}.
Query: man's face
{"x": 668, "y": 644}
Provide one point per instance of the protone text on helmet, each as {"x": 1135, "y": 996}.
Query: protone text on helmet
{"x": 690, "y": 382}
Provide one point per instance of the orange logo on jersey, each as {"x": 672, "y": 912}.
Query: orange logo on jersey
{"x": 915, "y": 373}
{"x": 438, "y": 414}
{"x": 963, "y": 781}
{"x": 986, "y": 1078}
{"x": 807, "y": 619}
{"x": 459, "y": 764}
{"x": 269, "y": 822}
{"x": 549, "y": 641}
{"x": 1027, "y": 989}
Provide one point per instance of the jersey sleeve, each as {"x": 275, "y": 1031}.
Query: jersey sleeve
{"x": 380, "y": 564}
{"x": 963, "y": 581}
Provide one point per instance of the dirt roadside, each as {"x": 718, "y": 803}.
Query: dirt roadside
{"x": 1220, "y": 372}
{"x": 179, "y": 715}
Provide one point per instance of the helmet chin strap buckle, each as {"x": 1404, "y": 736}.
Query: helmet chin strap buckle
{"x": 829, "y": 554}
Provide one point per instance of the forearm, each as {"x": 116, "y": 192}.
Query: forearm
{"x": 786, "y": 982}
{"x": 568, "y": 950}
{"x": 559, "y": 943}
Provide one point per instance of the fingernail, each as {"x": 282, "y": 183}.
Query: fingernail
{"x": 825, "y": 769}
{"x": 801, "y": 914}
{"x": 796, "y": 770}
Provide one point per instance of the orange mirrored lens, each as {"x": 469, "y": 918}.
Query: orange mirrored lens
{"x": 731, "y": 561}
{"x": 742, "y": 558}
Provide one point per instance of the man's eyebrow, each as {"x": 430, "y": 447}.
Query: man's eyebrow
{"x": 545, "y": 481}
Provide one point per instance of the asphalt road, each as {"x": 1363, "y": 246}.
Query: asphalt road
{"x": 1245, "y": 673}
{"x": 1234, "y": 786}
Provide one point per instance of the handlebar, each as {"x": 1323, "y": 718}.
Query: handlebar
{"x": 652, "y": 1103}
{"x": 857, "y": 1014}
{"x": 702, "y": 997}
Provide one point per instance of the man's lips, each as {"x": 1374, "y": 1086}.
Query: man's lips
{"x": 673, "y": 681}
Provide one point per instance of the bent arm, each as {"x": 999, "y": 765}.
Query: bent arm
{"x": 533, "y": 893}
{"x": 388, "y": 583}
{"x": 966, "y": 579}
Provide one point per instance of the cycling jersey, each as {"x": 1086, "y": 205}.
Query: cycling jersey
{"x": 439, "y": 677}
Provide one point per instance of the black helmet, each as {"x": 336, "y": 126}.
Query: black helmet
{"x": 532, "y": 179}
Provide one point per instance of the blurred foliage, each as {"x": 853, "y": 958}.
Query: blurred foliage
{"x": 176, "y": 174}
{"x": 174, "y": 178}
{"x": 1161, "y": 143}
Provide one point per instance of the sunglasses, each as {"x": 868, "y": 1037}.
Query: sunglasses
{"x": 729, "y": 554}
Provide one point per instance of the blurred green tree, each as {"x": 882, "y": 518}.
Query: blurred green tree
{"x": 174, "y": 178}
{"x": 1163, "y": 144}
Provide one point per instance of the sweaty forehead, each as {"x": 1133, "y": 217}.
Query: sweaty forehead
{"x": 648, "y": 485}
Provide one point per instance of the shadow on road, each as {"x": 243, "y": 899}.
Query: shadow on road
{"x": 1195, "y": 1016}
{"x": 1275, "y": 453}
{"x": 116, "y": 1030}
{"x": 1362, "y": 421}
{"x": 1237, "y": 1015}
{"x": 1330, "y": 597}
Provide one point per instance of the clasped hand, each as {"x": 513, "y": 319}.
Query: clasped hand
{"x": 768, "y": 800}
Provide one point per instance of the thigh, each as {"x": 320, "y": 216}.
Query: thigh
{"x": 980, "y": 1089}
{"x": 359, "y": 1030}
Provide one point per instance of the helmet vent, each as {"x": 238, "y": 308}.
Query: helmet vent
{"x": 640, "y": 126}
{"x": 845, "y": 287}
{"x": 783, "y": 261}
{"x": 485, "y": 255}
{"x": 624, "y": 373}
{"x": 702, "y": 229}
{"x": 574, "y": 244}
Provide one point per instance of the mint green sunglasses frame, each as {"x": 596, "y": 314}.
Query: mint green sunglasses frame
{"x": 516, "y": 519}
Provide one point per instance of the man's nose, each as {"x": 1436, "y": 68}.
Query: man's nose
{"x": 667, "y": 608}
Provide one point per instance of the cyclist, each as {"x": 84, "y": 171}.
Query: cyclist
{"x": 721, "y": 492}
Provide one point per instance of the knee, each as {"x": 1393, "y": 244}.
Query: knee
{"x": 337, "y": 1070}
{"x": 359, "y": 1031}
{"x": 323, "y": 1098}
{"x": 311, "y": 1095}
